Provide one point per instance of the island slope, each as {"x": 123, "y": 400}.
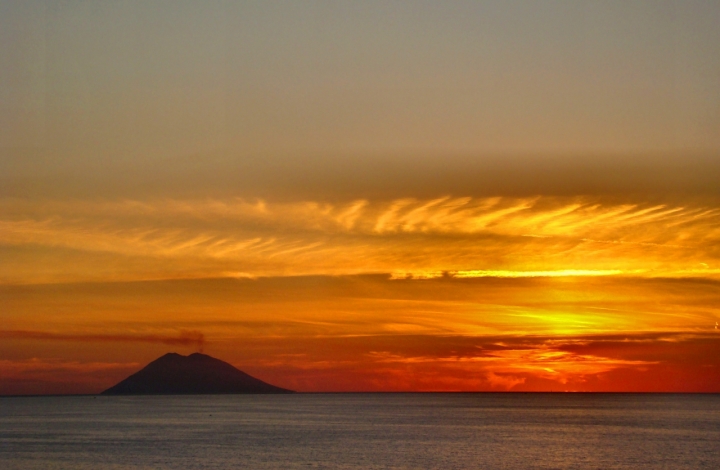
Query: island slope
{"x": 174, "y": 374}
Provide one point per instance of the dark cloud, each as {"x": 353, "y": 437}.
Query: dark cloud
{"x": 184, "y": 338}
{"x": 341, "y": 178}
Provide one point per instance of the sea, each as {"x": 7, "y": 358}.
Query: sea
{"x": 362, "y": 431}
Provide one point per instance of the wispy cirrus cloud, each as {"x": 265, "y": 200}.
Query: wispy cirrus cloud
{"x": 506, "y": 237}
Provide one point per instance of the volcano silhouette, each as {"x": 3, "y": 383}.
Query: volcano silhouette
{"x": 174, "y": 374}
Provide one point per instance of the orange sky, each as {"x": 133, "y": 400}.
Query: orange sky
{"x": 362, "y": 197}
{"x": 443, "y": 294}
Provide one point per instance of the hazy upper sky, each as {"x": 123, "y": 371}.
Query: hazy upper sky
{"x": 368, "y": 195}
{"x": 118, "y": 98}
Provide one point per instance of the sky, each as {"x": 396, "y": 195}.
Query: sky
{"x": 362, "y": 196}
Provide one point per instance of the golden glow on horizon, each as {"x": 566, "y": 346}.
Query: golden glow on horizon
{"x": 511, "y": 274}
{"x": 317, "y": 333}
{"x": 559, "y": 273}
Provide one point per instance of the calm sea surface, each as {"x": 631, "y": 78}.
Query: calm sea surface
{"x": 403, "y": 431}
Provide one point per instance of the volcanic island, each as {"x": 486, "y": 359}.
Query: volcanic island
{"x": 196, "y": 374}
